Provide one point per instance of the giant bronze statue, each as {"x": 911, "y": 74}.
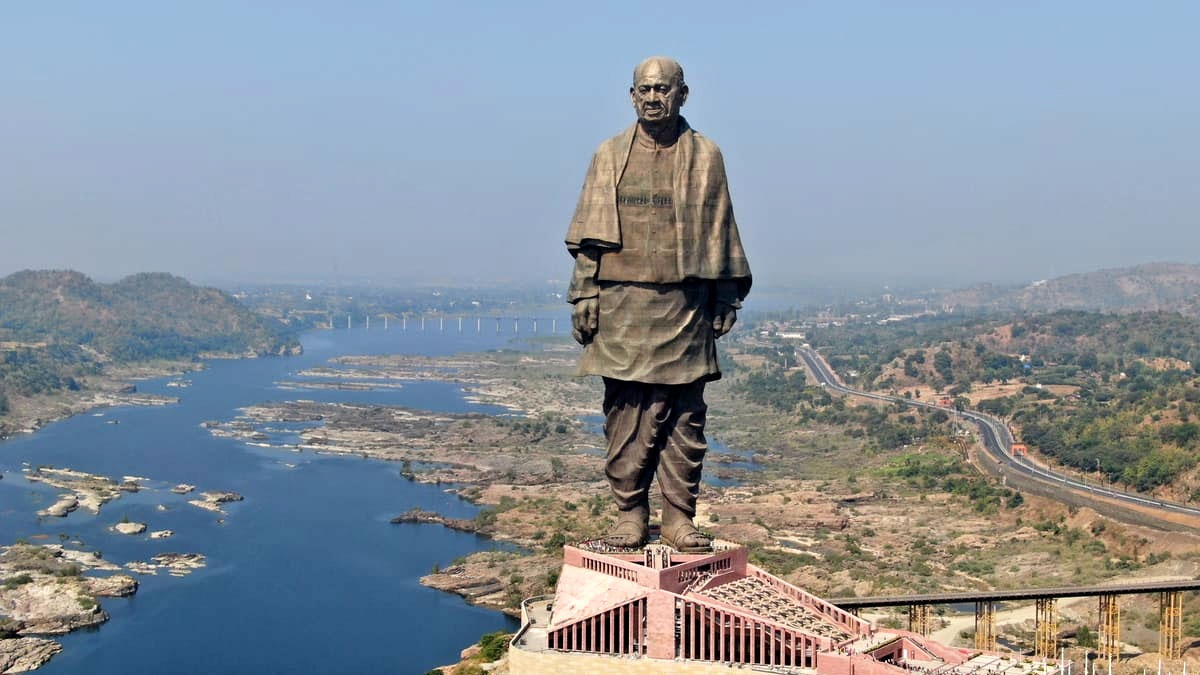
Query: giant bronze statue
{"x": 659, "y": 275}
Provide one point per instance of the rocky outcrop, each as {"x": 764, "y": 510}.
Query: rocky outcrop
{"x": 479, "y": 587}
{"x": 20, "y": 655}
{"x": 175, "y": 564}
{"x": 48, "y": 605}
{"x": 59, "y": 509}
{"x": 130, "y": 528}
{"x": 418, "y": 515}
{"x": 212, "y": 501}
{"x": 116, "y": 586}
{"x": 179, "y": 564}
{"x": 90, "y": 491}
{"x": 45, "y": 593}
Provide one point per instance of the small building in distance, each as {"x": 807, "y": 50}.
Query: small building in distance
{"x": 659, "y": 611}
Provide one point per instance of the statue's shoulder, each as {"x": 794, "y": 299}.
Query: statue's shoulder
{"x": 618, "y": 143}
{"x": 703, "y": 145}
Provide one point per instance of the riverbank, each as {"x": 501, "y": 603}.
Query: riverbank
{"x": 115, "y": 386}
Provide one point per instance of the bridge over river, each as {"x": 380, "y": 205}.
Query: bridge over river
{"x": 443, "y": 323}
{"x": 1170, "y": 612}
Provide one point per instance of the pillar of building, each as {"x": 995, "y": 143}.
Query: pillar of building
{"x": 918, "y": 619}
{"x": 985, "y": 625}
{"x": 660, "y": 626}
{"x": 1170, "y": 624}
{"x": 1110, "y": 627}
{"x": 1046, "y": 628}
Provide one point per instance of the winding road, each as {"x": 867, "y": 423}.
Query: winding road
{"x": 1023, "y": 473}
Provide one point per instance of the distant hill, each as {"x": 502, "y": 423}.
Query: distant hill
{"x": 1168, "y": 287}
{"x": 60, "y": 331}
{"x": 139, "y": 317}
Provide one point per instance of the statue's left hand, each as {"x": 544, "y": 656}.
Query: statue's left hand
{"x": 585, "y": 319}
{"x": 723, "y": 319}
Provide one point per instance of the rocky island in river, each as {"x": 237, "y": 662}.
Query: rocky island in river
{"x": 48, "y": 590}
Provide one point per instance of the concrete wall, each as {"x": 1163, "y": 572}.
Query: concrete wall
{"x": 858, "y": 664}
{"x": 522, "y": 662}
{"x": 551, "y": 663}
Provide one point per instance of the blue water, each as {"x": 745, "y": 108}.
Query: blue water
{"x": 728, "y": 463}
{"x": 304, "y": 576}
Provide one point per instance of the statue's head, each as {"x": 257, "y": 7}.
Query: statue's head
{"x": 658, "y": 90}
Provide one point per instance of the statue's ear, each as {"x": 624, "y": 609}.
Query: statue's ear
{"x": 683, "y": 92}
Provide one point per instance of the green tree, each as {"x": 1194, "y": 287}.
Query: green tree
{"x": 1084, "y": 637}
{"x": 493, "y": 645}
{"x": 944, "y": 366}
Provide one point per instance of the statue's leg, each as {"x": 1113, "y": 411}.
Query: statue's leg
{"x": 679, "y": 469}
{"x": 634, "y": 413}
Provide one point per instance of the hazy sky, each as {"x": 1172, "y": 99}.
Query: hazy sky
{"x": 956, "y": 141}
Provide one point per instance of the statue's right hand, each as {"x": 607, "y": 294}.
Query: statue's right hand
{"x": 585, "y": 319}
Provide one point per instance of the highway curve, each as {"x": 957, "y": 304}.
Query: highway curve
{"x": 1023, "y": 474}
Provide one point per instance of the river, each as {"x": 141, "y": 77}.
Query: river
{"x": 304, "y": 576}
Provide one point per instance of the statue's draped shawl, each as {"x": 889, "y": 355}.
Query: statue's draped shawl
{"x": 709, "y": 244}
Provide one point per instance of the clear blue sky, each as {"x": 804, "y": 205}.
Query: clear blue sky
{"x": 953, "y": 141}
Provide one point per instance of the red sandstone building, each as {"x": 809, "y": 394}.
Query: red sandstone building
{"x": 658, "y": 611}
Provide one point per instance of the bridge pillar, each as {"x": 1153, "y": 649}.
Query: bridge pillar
{"x": 1110, "y": 627}
{"x": 1170, "y": 624}
{"x": 918, "y": 619}
{"x": 1046, "y": 628}
{"x": 985, "y": 625}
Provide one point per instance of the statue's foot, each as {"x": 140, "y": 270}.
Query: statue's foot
{"x": 685, "y": 538}
{"x": 631, "y": 531}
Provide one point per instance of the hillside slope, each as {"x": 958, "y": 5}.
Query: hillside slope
{"x": 1161, "y": 286}
{"x": 141, "y": 316}
{"x": 61, "y": 332}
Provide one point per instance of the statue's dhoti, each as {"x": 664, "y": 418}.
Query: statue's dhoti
{"x": 655, "y": 429}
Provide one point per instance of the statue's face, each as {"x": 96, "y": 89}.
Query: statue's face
{"x": 657, "y": 93}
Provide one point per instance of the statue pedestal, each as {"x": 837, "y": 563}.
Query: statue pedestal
{"x": 657, "y": 610}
